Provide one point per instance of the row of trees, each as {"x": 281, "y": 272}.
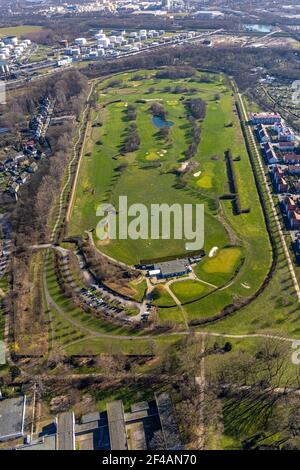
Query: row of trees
{"x": 196, "y": 138}
{"x": 131, "y": 112}
{"x": 232, "y": 60}
{"x": 158, "y": 110}
{"x": 196, "y": 108}
{"x": 132, "y": 141}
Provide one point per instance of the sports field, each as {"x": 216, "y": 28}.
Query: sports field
{"x": 151, "y": 174}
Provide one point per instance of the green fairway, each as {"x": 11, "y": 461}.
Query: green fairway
{"x": 151, "y": 175}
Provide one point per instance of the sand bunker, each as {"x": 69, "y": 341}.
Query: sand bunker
{"x": 213, "y": 252}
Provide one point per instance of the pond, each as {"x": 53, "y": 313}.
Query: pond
{"x": 159, "y": 122}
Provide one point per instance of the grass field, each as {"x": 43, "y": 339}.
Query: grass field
{"x": 244, "y": 255}
{"x": 18, "y": 30}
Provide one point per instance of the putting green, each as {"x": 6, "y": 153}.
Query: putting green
{"x": 223, "y": 262}
{"x": 205, "y": 182}
{"x": 152, "y": 156}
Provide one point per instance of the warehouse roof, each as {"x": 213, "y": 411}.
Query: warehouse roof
{"x": 168, "y": 268}
{"x": 66, "y": 431}
{"x": 116, "y": 425}
{"x": 12, "y": 414}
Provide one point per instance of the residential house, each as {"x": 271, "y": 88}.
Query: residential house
{"x": 22, "y": 178}
{"x": 14, "y": 189}
{"x": 33, "y": 167}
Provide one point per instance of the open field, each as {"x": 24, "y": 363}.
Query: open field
{"x": 147, "y": 176}
{"x": 19, "y": 30}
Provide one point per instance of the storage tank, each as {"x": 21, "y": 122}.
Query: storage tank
{"x": 5, "y": 50}
{"x": 75, "y": 51}
{"x": 100, "y": 36}
{"x": 81, "y": 41}
{"x": 93, "y": 54}
{"x": 103, "y": 42}
{"x": 13, "y": 40}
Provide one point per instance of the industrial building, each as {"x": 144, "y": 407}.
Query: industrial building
{"x": 173, "y": 268}
{"x": 116, "y": 424}
{"x": 65, "y": 437}
{"x": 169, "y": 426}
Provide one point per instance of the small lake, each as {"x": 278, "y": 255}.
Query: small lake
{"x": 258, "y": 28}
{"x": 159, "y": 122}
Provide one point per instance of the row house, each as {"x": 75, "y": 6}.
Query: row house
{"x": 294, "y": 220}
{"x": 262, "y": 134}
{"x": 296, "y": 186}
{"x": 291, "y": 159}
{"x": 293, "y": 169}
{"x": 265, "y": 118}
{"x": 284, "y": 133}
{"x": 279, "y": 180}
{"x": 286, "y": 146}
{"x": 290, "y": 207}
{"x": 270, "y": 154}
{"x": 289, "y": 204}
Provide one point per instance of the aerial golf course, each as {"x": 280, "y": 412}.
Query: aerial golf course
{"x": 238, "y": 252}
